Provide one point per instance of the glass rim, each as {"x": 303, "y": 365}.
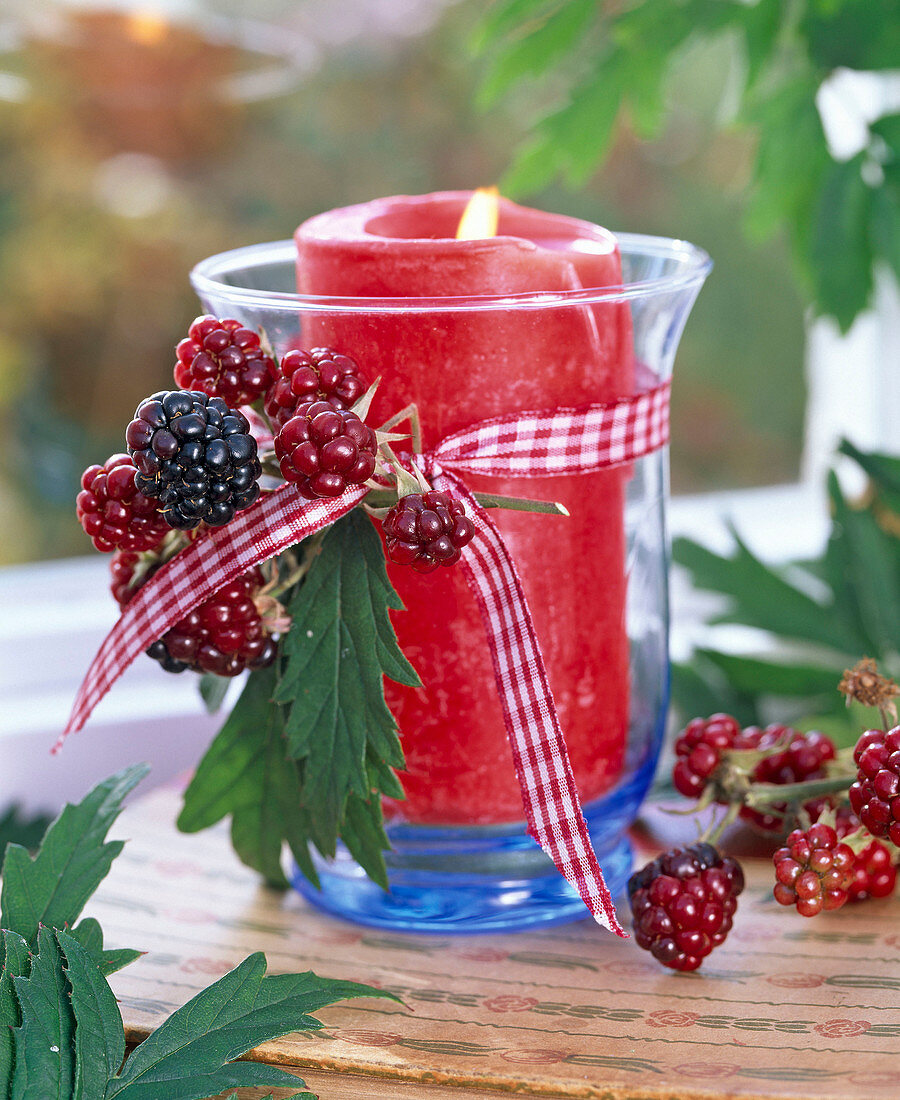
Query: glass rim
{"x": 206, "y": 279}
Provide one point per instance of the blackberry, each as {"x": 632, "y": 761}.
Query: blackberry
{"x": 224, "y": 359}
{"x": 322, "y": 450}
{"x": 224, "y": 635}
{"x": 875, "y": 795}
{"x": 699, "y": 751}
{"x": 195, "y": 455}
{"x": 803, "y": 757}
{"x": 113, "y": 512}
{"x": 814, "y": 870}
{"x": 683, "y": 903}
{"x": 427, "y": 530}
{"x": 873, "y": 873}
{"x": 321, "y": 374}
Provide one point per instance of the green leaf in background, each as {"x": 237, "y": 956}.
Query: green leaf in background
{"x": 99, "y": 1032}
{"x": 16, "y": 960}
{"x": 52, "y": 887}
{"x": 18, "y": 828}
{"x": 605, "y": 63}
{"x": 761, "y": 597}
{"x": 185, "y": 1058}
{"x": 337, "y": 652}
{"x": 246, "y": 773}
{"x": 858, "y": 614}
{"x": 44, "y": 1042}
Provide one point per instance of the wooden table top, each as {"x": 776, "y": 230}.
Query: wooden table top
{"x": 787, "y": 1008}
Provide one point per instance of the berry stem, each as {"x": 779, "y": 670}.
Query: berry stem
{"x": 410, "y": 413}
{"x": 763, "y": 795}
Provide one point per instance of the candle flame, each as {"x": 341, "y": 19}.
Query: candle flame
{"x": 480, "y": 216}
{"x": 147, "y": 27}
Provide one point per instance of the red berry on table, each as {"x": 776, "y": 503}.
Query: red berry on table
{"x": 874, "y": 874}
{"x": 683, "y": 903}
{"x": 699, "y": 751}
{"x": 875, "y": 795}
{"x": 322, "y": 450}
{"x": 804, "y": 756}
{"x": 321, "y": 374}
{"x": 813, "y": 871}
{"x": 224, "y": 635}
{"x": 426, "y": 530}
{"x": 112, "y": 510}
{"x": 224, "y": 359}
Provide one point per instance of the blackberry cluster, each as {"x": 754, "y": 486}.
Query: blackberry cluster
{"x": 699, "y": 751}
{"x": 195, "y": 455}
{"x": 874, "y": 874}
{"x": 223, "y": 359}
{"x": 804, "y": 757}
{"x": 113, "y": 512}
{"x": 427, "y": 530}
{"x": 224, "y": 635}
{"x": 875, "y": 794}
{"x": 683, "y": 903}
{"x": 321, "y": 374}
{"x": 813, "y": 871}
{"x": 322, "y": 450}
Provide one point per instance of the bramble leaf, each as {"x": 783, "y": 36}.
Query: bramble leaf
{"x": 246, "y": 773}
{"x": 52, "y": 887}
{"x": 16, "y": 960}
{"x": 44, "y": 1048}
{"x": 99, "y": 1032}
{"x": 191, "y": 1054}
{"x": 337, "y": 652}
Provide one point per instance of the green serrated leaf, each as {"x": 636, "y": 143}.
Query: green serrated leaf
{"x": 868, "y": 562}
{"x": 44, "y": 1048}
{"x": 16, "y": 963}
{"x": 505, "y": 16}
{"x": 53, "y": 887}
{"x": 536, "y": 47}
{"x": 339, "y": 649}
{"x": 246, "y": 773}
{"x": 840, "y": 254}
{"x": 698, "y": 691}
{"x": 190, "y": 1052}
{"x": 213, "y": 690}
{"x": 755, "y": 676}
{"x": 90, "y": 935}
{"x": 884, "y": 226}
{"x": 761, "y": 597}
{"x": 99, "y": 1032}
{"x": 363, "y": 833}
{"x": 883, "y": 470}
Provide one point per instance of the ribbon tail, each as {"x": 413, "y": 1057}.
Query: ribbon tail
{"x": 549, "y": 795}
{"x": 277, "y": 520}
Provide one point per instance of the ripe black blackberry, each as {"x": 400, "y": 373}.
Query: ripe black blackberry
{"x": 195, "y": 455}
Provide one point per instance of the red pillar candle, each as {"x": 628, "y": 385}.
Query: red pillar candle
{"x": 461, "y": 366}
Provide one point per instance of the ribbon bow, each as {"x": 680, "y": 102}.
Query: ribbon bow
{"x": 566, "y": 441}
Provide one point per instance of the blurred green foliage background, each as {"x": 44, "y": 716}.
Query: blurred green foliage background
{"x": 123, "y": 162}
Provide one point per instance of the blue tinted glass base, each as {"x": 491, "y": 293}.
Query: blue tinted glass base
{"x": 473, "y": 880}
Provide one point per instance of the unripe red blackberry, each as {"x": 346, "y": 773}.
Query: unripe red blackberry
{"x": 874, "y": 874}
{"x": 224, "y": 635}
{"x": 195, "y": 455}
{"x": 427, "y": 530}
{"x": 813, "y": 871}
{"x": 322, "y": 450}
{"x": 875, "y": 795}
{"x": 683, "y": 903}
{"x": 224, "y": 359}
{"x": 804, "y": 757}
{"x": 699, "y": 751}
{"x": 321, "y": 374}
{"x": 114, "y": 513}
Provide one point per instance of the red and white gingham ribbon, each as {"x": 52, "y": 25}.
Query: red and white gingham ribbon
{"x": 567, "y": 441}
{"x": 275, "y": 522}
